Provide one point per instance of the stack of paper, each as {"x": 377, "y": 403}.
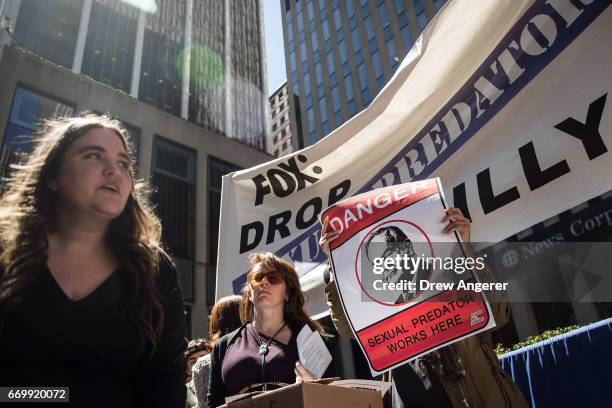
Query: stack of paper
{"x": 313, "y": 353}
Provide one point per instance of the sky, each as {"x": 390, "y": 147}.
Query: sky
{"x": 275, "y": 47}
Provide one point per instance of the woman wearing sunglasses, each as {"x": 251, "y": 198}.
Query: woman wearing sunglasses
{"x": 262, "y": 353}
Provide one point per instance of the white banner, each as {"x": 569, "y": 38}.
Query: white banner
{"x": 504, "y": 101}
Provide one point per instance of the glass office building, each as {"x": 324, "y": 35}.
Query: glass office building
{"x": 341, "y": 53}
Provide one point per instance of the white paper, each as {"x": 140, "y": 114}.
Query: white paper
{"x": 312, "y": 351}
{"x": 380, "y": 386}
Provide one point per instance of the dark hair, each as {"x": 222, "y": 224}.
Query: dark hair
{"x": 224, "y": 318}
{"x": 294, "y": 312}
{"x": 393, "y": 235}
{"x": 195, "y": 346}
{"x": 26, "y": 216}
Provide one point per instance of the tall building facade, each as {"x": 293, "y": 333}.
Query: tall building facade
{"x": 341, "y": 53}
{"x": 201, "y": 60}
{"x": 279, "y": 140}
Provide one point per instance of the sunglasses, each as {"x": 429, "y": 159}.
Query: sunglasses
{"x": 274, "y": 278}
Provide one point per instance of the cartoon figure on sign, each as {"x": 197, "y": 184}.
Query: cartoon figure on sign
{"x": 390, "y": 242}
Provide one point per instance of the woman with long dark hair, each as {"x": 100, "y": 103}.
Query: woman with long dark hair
{"x": 262, "y": 353}
{"x": 224, "y": 318}
{"x": 88, "y": 298}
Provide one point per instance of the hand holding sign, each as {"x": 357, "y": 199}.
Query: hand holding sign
{"x": 328, "y": 233}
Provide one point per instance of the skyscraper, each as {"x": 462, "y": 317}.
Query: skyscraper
{"x": 202, "y": 60}
{"x": 341, "y": 53}
{"x": 279, "y": 140}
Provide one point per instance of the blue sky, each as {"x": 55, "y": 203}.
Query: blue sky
{"x": 275, "y": 47}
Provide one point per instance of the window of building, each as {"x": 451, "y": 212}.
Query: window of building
{"x": 160, "y": 83}
{"x": 27, "y": 110}
{"x": 337, "y": 19}
{"x": 323, "y": 109}
{"x": 311, "y": 119}
{"x": 369, "y": 28}
{"x": 392, "y": 52}
{"x": 216, "y": 170}
{"x": 282, "y": 119}
{"x": 289, "y": 31}
{"x": 173, "y": 175}
{"x": 402, "y": 19}
{"x": 335, "y": 98}
{"x": 438, "y": 4}
{"x": 356, "y": 41}
{"x": 339, "y": 34}
{"x": 314, "y": 41}
{"x": 363, "y": 76}
{"x": 419, "y": 8}
{"x": 274, "y": 127}
{"x": 325, "y": 128}
{"x": 378, "y": 70}
{"x": 300, "y": 21}
{"x": 303, "y": 51}
{"x": 352, "y": 107}
{"x": 109, "y": 49}
{"x": 310, "y": 10}
{"x": 330, "y": 62}
{"x": 365, "y": 95}
{"x": 292, "y": 61}
{"x": 343, "y": 53}
{"x": 350, "y": 10}
{"x": 383, "y": 16}
{"x": 338, "y": 117}
{"x": 307, "y": 84}
{"x": 399, "y": 6}
{"x": 313, "y": 136}
{"x": 318, "y": 74}
{"x": 407, "y": 37}
{"x": 281, "y": 106}
{"x": 325, "y": 30}
{"x": 348, "y": 85}
{"x": 372, "y": 46}
{"x": 49, "y": 28}
{"x": 365, "y": 9}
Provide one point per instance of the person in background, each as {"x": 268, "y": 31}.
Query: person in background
{"x": 196, "y": 348}
{"x": 224, "y": 318}
{"x": 464, "y": 374}
{"x": 84, "y": 280}
{"x": 262, "y": 353}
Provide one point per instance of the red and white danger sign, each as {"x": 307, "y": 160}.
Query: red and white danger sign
{"x": 398, "y": 277}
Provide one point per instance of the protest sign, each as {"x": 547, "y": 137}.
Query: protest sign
{"x": 398, "y": 275}
{"x": 489, "y": 99}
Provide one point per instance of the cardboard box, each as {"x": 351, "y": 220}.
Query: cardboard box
{"x": 310, "y": 395}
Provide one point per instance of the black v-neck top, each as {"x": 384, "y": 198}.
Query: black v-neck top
{"x": 90, "y": 346}
{"x": 241, "y": 366}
